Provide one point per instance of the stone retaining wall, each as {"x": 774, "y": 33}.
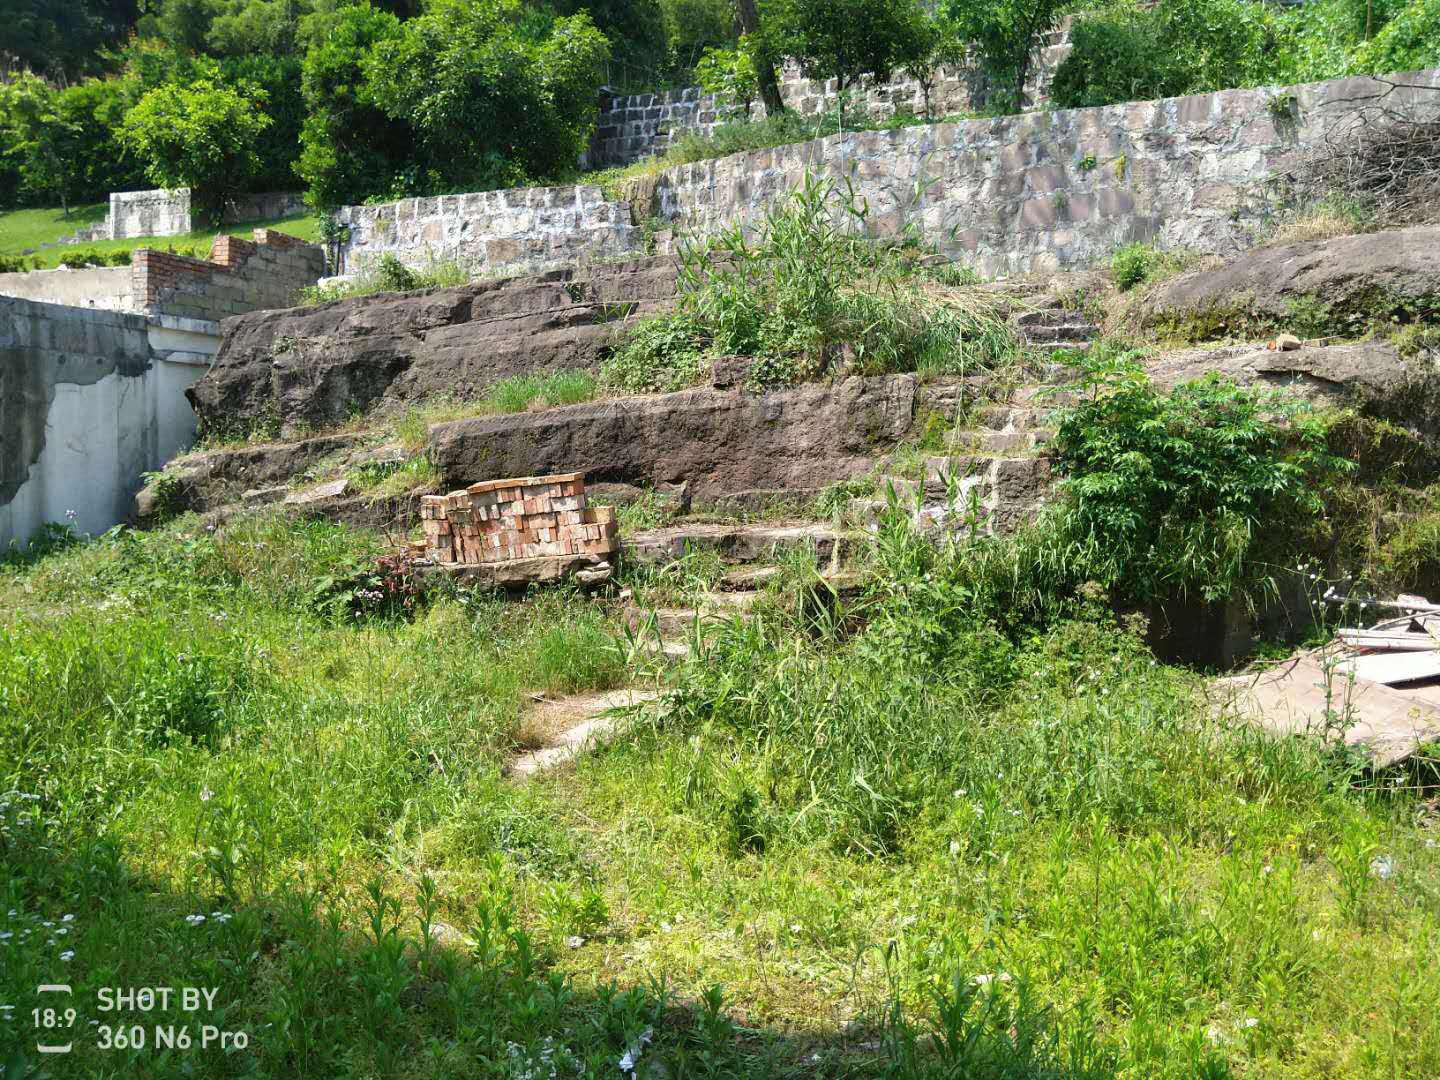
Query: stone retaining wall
{"x": 635, "y": 126}
{"x": 490, "y": 232}
{"x": 1047, "y": 190}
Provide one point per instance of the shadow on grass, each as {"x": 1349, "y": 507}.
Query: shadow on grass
{"x": 313, "y": 982}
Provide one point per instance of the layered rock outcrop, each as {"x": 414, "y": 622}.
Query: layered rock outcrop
{"x": 722, "y": 443}
{"x": 315, "y": 366}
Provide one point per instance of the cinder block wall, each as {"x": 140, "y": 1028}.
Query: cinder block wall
{"x": 240, "y": 276}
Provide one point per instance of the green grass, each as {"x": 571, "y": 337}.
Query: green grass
{"x": 896, "y": 843}
{"x": 23, "y": 229}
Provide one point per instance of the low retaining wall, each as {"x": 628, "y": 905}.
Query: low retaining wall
{"x": 240, "y": 276}
{"x": 491, "y": 232}
{"x": 106, "y": 287}
{"x": 1048, "y": 190}
{"x": 89, "y": 401}
{"x": 635, "y": 126}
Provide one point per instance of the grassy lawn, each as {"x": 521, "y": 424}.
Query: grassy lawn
{"x": 24, "y": 229}
{"x": 918, "y": 849}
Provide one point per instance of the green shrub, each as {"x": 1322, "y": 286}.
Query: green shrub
{"x": 1137, "y": 263}
{"x": 659, "y": 355}
{"x": 1198, "y": 490}
{"x": 1131, "y": 265}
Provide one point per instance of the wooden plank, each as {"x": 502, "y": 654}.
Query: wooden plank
{"x": 1390, "y": 668}
{"x": 1391, "y": 641}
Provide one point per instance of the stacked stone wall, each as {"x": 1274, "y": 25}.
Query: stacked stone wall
{"x": 491, "y": 232}
{"x": 1047, "y": 190}
{"x": 635, "y": 126}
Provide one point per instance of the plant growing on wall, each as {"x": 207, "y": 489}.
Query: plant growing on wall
{"x": 199, "y": 136}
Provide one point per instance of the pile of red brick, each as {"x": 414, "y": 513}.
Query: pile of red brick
{"x": 525, "y": 518}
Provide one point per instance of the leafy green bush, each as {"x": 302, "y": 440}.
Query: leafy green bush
{"x": 658, "y": 355}
{"x": 1129, "y": 53}
{"x": 1198, "y": 490}
{"x": 1137, "y": 263}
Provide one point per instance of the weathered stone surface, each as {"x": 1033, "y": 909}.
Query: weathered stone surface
{"x": 1368, "y": 374}
{"x": 720, "y": 442}
{"x": 209, "y": 479}
{"x": 734, "y": 543}
{"x": 316, "y": 365}
{"x": 1346, "y": 273}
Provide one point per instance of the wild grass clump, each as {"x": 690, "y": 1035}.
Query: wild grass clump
{"x": 1139, "y": 264}
{"x": 809, "y": 294}
{"x": 1324, "y": 219}
{"x": 389, "y": 275}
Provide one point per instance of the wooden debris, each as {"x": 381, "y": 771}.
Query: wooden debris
{"x": 1393, "y": 667}
{"x": 1387, "y": 640}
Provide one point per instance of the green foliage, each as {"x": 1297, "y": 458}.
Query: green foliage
{"x": 1137, "y": 263}
{"x": 1199, "y": 490}
{"x": 1130, "y": 53}
{"x": 1409, "y": 41}
{"x": 389, "y": 274}
{"x": 487, "y": 106}
{"x": 808, "y": 293}
{"x": 729, "y": 74}
{"x": 64, "y": 41}
{"x": 659, "y": 355}
{"x": 199, "y": 136}
{"x": 1006, "y": 35}
{"x": 534, "y": 392}
{"x": 349, "y": 149}
{"x": 847, "y": 40}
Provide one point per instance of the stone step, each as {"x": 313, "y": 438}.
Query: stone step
{"x": 986, "y": 441}
{"x": 677, "y": 623}
{"x": 1054, "y": 325}
{"x": 735, "y": 543}
{"x": 577, "y": 723}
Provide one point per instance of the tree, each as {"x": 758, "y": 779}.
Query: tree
{"x": 762, "y": 55}
{"x": 729, "y": 74}
{"x": 939, "y": 44}
{"x": 1409, "y": 41}
{"x": 693, "y": 26}
{"x": 349, "y": 149}
{"x": 847, "y": 40}
{"x": 62, "y": 39}
{"x": 1007, "y": 35}
{"x": 488, "y": 106}
{"x": 636, "y": 32}
{"x": 200, "y": 136}
{"x": 41, "y": 140}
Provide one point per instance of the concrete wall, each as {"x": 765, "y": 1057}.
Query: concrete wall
{"x": 148, "y": 213}
{"x": 635, "y": 126}
{"x": 512, "y": 231}
{"x": 107, "y": 287}
{"x": 91, "y": 399}
{"x": 87, "y": 404}
{"x": 1047, "y": 190}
